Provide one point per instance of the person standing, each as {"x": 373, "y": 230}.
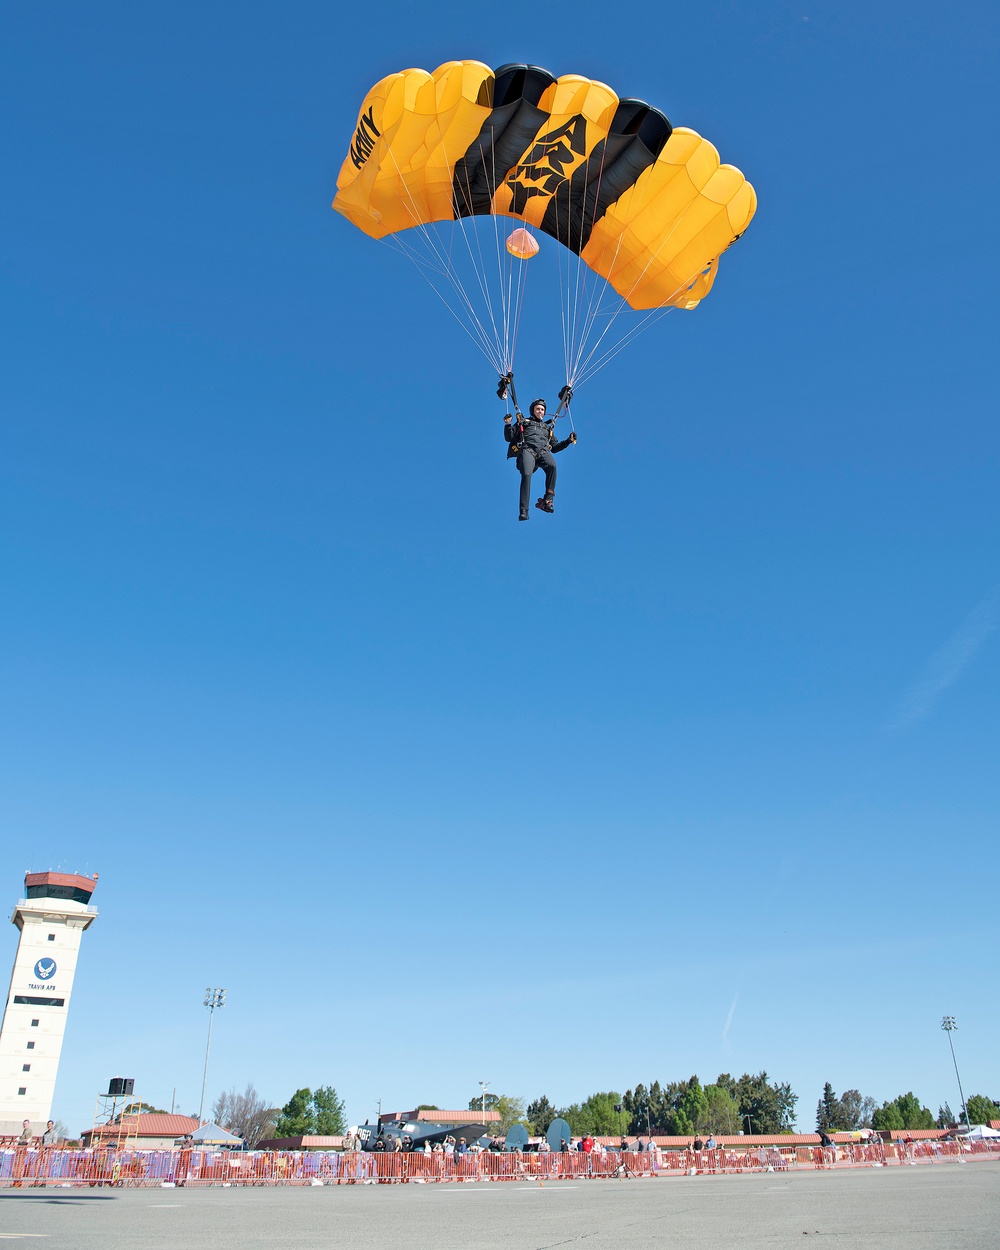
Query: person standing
{"x": 50, "y": 1137}
{"x": 26, "y": 1134}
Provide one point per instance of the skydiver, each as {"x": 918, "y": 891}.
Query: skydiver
{"x": 531, "y": 442}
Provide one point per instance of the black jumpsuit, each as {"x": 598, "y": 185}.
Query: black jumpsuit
{"x": 535, "y": 450}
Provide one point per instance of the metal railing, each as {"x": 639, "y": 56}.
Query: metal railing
{"x": 26, "y": 1166}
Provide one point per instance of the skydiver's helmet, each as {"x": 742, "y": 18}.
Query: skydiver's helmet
{"x": 531, "y": 406}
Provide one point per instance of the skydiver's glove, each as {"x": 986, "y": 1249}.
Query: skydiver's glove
{"x": 572, "y": 437}
{"x": 506, "y": 419}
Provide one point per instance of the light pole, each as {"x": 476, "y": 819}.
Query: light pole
{"x": 213, "y": 998}
{"x": 485, "y": 1085}
{"x": 749, "y": 1125}
{"x": 949, "y": 1026}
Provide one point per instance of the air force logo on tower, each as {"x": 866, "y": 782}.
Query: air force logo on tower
{"x": 45, "y": 969}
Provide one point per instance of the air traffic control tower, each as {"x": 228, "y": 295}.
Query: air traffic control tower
{"x": 52, "y": 918}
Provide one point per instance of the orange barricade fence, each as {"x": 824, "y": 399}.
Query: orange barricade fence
{"x": 25, "y": 1166}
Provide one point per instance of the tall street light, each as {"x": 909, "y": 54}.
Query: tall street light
{"x": 213, "y": 998}
{"x": 949, "y": 1026}
{"x": 485, "y": 1085}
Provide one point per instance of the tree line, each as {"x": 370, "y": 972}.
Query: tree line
{"x": 751, "y": 1103}
{"x": 308, "y": 1113}
{"x": 679, "y": 1108}
{"x": 728, "y": 1106}
{"x": 850, "y": 1112}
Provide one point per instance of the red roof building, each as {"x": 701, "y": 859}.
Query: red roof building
{"x": 152, "y": 1130}
{"x": 442, "y": 1117}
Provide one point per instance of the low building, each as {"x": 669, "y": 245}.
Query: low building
{"x": 469, "y": 1116}
{"x": 305, "y": 1143}
{"x": 152, "y": 1130}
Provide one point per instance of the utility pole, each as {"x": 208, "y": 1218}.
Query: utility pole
{"x": 949, "y": 1026}
{"x": 213, "y": 998}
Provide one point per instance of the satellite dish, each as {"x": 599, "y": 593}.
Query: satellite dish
{"x": 517, "y": 1137}
{"x": 557, "y": 1133}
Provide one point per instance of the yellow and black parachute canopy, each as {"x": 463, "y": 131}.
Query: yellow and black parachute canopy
{"x": 645, "y": 205}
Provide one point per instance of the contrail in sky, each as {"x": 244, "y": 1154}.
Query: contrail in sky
{"x": 729, "y": 1020}
{"x": 948, "y": 663}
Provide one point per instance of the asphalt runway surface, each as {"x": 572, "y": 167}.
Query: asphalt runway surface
{"x": 935, "y": 1207}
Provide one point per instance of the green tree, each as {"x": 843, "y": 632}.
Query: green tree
{"x": 693, "y": 1105}
{"x": 540, "y": 1114}
{"x": 982, "y": 1109}
{"x": 142, "y": 1108}
{"x": 828, "y": 1111}
{"x": 945, "y": 1117}
{"x": 310, "y": 1113}
{"x": 511, "y": 1111}
{"x": 888, "y": 1116}
{"x": 638, "y": 1107}
{"x": 722, "y": 1112}
{"x": 854, "y": 1111}
{"x": 428, "y": 1106}
{"x": 904, "y": 1112}
{"x": 770, "y": 1107}
{"x": 297, "y": 1118}
{"x": 509, "y": 1107}
{"x": 597, "y": 1115}
{"x": 328, "y": 1112}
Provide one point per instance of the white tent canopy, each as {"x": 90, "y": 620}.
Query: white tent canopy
{"x": 212, "y": 1135}
{"x": 980, "y": 1131}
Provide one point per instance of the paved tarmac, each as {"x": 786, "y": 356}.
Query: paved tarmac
{"x": 948, "y": 1206}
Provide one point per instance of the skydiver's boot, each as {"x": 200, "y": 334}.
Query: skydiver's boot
{"x": 524, "y": 515}
{"x": 547, "y": 502}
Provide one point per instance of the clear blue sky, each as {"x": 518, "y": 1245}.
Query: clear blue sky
{"x": 698, "y": 775}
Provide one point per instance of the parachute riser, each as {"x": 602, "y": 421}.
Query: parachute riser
{"x": 565, "y": 395}
{"x": 506, "y": 387}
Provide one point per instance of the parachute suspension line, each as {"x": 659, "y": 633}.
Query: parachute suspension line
{"x": 479, "y": 268}
{"x": 597, "y": 287}
{"x": 420, "y": 264}
{"x": 471, "y": 322}
{"x": 506, "y": 293}
{"x": 587, "y": 366}
{"x": 480, "y": 271}
{"x": 460, "y": 304}
{"x": 616, "y": 346}
{"x": 597, "y": 308}
{"x": 513, "y": 275}
{"x": 447, "y": 268}
{"x": 522, "y": 286}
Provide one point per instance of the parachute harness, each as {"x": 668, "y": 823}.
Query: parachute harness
{"x": 506, "y": 387}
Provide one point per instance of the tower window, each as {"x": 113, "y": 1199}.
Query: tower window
{"x": 22, "y": 1089}
{"x": 34, "y": 1024}
{"x": 52, "y": 937}
{"x": 31, "y": 1045}
{"x": 25, "y": 1067}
